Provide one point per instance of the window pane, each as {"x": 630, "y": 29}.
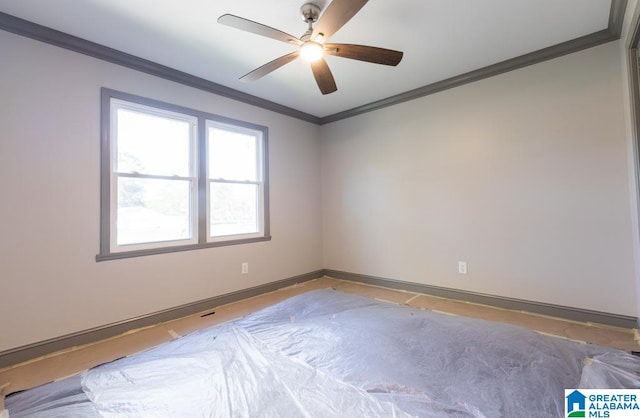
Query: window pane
{"x": 152, "y": 210}
{"x": 232, "y": 155}
{"x": 233, "y": 209}
{"x": 152, "y": 144}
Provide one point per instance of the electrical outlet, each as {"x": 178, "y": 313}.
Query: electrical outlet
{"x": 462, "y": 267}
{"x": 245, "y": 268}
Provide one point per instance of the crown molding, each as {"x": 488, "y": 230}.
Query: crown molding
{"x": 612, "y": 33}
{"x": 41, "y": 33}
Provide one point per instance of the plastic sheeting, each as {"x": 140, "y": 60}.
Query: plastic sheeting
{"x": 331, "y": 354}
{"x": 62, "y": 399}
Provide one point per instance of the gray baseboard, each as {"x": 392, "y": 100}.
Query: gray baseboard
{"x": 38, "y": 349}
{"x": 41, "y": 348}
{"x": 574, "y": 314}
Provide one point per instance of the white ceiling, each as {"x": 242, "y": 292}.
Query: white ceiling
{"x": 440, "y": 39}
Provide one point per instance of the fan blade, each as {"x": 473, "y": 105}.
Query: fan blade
{"x": 337, "y": 14}
{"x": 257, "y": 28}
{"x": 365, "y": 53}
{"x": 269, "y": 67}
{"x": 323, "y": 76}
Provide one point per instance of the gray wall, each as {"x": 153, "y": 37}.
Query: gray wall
{"x": 50, "y": 284}
{"x": 526, "y": 176}
{"x": 630, "y": 22}
{"x": 523, "y": 175}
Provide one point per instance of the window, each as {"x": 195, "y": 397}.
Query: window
{"x": 176, "y": 179}
{"x": 234, "y": 167}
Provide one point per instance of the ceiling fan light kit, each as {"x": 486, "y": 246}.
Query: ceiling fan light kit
{"x": 311, "y": 45}
{"x": 311, "y": 51}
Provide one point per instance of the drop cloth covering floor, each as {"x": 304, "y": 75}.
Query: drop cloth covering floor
{"x": 332, "y": 354}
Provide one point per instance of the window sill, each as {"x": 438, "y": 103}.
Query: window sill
{"x": 106, "y": 256}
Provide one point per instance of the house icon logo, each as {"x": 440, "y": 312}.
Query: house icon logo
{"x": 575, "y": 404}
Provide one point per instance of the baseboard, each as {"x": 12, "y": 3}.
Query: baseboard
{"x": 571, "y": 313}
{"x": 35, "y": 350}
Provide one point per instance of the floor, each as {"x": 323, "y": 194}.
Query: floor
{"x": 77, "y": 359}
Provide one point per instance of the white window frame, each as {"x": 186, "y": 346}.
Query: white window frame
{"x": 117, "y": 104}
{"x": 258, "y": 135}
{"x": 199, "y": 121}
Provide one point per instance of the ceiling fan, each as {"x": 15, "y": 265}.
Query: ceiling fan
{"x": 312, "y": 46}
